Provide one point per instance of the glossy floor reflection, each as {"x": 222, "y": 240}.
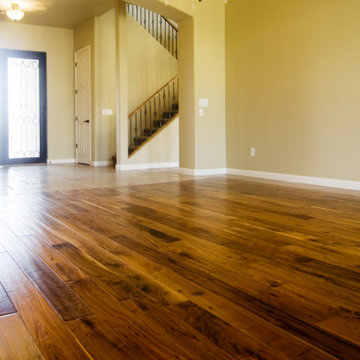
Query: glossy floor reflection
{"x": 96, "y": 264}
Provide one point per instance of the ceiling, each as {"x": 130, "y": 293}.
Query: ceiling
{"x": 58, "y": 13}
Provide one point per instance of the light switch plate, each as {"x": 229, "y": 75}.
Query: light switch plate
{"x": 201, "y": 112}
{"x": 107, "y": 111}
{"x": 203, "y": 103}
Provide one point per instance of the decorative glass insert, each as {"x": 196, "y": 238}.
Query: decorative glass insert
{"x": 24, "y": 108}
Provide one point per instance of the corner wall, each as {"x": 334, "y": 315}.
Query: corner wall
{"x": 293, "y": 86}
{"x": 58, "y": 45}
{"x": 202, "y": 75}
{"x": 150, "y": 66}
{"x": 105, "y": 87}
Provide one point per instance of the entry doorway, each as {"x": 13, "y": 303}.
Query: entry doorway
{"x": 23, "y": 107}
{"x": 83, "y": 105}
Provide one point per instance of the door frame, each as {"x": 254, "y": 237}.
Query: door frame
{"x": 4, "y": 124}
{"x": 88, "y": 47}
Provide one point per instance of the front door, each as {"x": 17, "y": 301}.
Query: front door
{"x": 83, "y": 105}
{"x": 22, "y": 107}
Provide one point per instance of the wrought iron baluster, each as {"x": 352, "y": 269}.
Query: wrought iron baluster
{"x": 160, "y": 117}
{"x": 130, "y": 129}
{"x": 145, "y": 121}
{"x": 164, "y": 97}
{"x": 161, "y": 30}
{"x": 150, "y": 114}
{"x": 176, "y": 50}
{"x": 172, "y": 41}
{"x": 136, "y": 128}
{"x": 174, "y": 96}
{"x": 152, "y": 22}
{"x": 169, "y": 98}
{"x": 169, "y": 44}
{"x": 155, "y": 114}
{"x": 157, "y": 26}
{"x": 140, "y": 125}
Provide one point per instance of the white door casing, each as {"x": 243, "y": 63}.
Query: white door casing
{"x": 83, "y": 105}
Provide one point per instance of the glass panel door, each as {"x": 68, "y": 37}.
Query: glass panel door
{"x": 23, "y": 108}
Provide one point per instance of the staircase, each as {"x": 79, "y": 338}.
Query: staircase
{"x": 164, "y": 31}
{"x": 161, "y": 108}
{"x": 154, "y": 114}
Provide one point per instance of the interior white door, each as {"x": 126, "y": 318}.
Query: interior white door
{"x": 83, "y": 104}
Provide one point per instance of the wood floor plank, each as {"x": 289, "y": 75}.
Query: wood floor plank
{"x": 98, "y": 340}
{"x": 57, "y": 293}
{"x": 6, "y": 305}
{"x": 235, "y": 342}
{"x": 154, "y": 265}
{"x": 58, "y": 263}
{"x": 16, "y": 341}
{"x": 146, "y": 317}
{"x": 345, "y": 327}
{"x": 49, "y": 332}
{"x": 100, "y": 301}
{"x": 280, "y": 341}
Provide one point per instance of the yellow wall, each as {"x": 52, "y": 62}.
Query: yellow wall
{"x": 150, "y": 65}
{"x": 202, "y": 75}
{"x": 58, "y": 44}
{"x": 105, "y": 86}
{"x": 293, "y": 86}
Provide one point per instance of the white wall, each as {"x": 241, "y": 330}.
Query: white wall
{"x": 58, "y": 45}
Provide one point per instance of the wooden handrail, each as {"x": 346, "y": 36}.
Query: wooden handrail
{"x": 152, "y": 96}
{"x": 173, "y": 26}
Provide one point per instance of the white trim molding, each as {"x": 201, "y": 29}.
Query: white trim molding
{"x": 60, "y": 161}
{"x": 147, "y": 166}
{"x": 100, "y": 163}
{"x": 334, "y": 183}
{"x": 202, "y": 172}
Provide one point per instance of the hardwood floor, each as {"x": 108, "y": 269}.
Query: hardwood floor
{"x": 153, "y": 265}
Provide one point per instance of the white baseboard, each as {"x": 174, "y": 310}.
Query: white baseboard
{"x": 307, "y": 180}
{"x": 202, "y": 172}
{"x": 147, "y": 166}
{"x": 60, "y": 161}
{"x": 100, "y": 163}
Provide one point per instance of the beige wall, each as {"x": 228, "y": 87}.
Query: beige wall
{"x": 293, "y": 86}
{"x": 162, "y": 149}
{"x": 202, "y": 75}
{"x": 58, "y": 44}
{"x": 105, "y": 86}
{"x": 144, "y": 66}
{"x": 150, "y": 65}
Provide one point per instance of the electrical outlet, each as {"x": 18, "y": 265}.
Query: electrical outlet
{"x": 252, "y": 152}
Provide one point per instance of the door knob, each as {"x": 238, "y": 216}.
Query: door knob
{"x": 87, "y": 121}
